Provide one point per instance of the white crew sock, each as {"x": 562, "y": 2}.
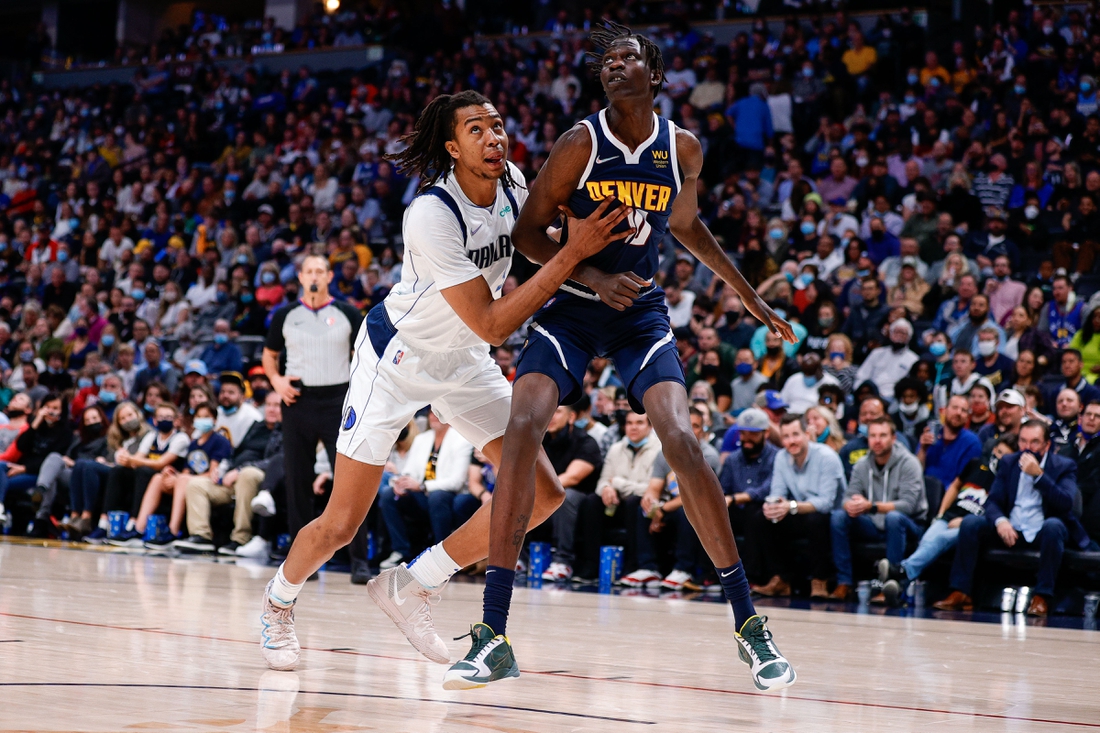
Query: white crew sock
{"x": 433, "y": 567}
{"x": 283, "y": 592}
{"x": 131, "y": 525}
{"x": 104, "y": 523}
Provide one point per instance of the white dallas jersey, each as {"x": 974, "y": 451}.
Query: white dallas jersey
{"x": 437, "y": 257}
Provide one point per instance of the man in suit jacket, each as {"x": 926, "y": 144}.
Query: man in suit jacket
{"x": 1030, "y": 507}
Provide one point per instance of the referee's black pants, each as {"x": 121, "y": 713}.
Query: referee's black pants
{"x": 314, "y": 416}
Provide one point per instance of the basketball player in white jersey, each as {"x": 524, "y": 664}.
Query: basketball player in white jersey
{"x": 427, "y": 343}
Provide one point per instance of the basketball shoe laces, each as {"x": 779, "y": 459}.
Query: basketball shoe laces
{"x": 759, "y": 638}
{"x": 423, "y": 613}
{"x": 278, "y": 626}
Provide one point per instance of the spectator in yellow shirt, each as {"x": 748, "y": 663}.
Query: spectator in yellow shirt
{"x": 933, "y": 68}
{"x": 860, "y": 58}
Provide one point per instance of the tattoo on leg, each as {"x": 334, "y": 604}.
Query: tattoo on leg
{"x": 521, "y": 530}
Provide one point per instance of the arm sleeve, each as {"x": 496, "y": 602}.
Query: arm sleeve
{"x": 433, "y": 233}
{"x": 910, "y": 488}
{"x": 832, "y": 484}
{"x": 355, "y": 318}
{"x": 275, "y": 340}
{"x": 1059, "y": 494}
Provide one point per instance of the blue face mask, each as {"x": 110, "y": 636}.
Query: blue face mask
{"x": 912, "y": 78}
{"x": 267, "y": 278}
{"x": 223, "y": 296}
{"x": 221, "y": 338}
{"x": 84, "y": 383}
{"x": 581, "y": 423}
{"x": 810, "y": 381}
{"x": 807, "y": 228}
{"x": 1019, "y": 89}
{"x": 836, "y": 354}
{"x": 910, "y": 100}
{"x": 776, "y": 233}
{"x": 107, "y": 340}
{"x": 863, "y": 430}
{"x": 806, "y": 278}
{"x": 242, "y": 259}
{"x": 106, "y": 395}
{"x": 230, "y": 410}
{"x": 808, "y": 72}
{"x": 744, "y": 370}
{"x": 938, "y": 348}
{"x": 1086, "y": 87}
{"x": 204, "y": 425}
{"x": 99, "y": 379}
{"x": 247, "y": 298}
{"x": 138, "y": 295}
{"x": 62, "y": 256}
{"x": 639, "y": 444}
{"x": 934, "y": 82}
{"x": 26, "y": 356}
{"x": 824, "y": 436}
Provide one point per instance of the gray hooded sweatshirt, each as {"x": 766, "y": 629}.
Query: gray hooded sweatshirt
{"x": 900, "y": 481}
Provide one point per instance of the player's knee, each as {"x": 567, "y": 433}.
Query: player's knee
{"x": 525, "y": 426}
{"x": 681, "y": 449}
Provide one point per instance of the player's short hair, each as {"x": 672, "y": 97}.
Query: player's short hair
{"x": 608, "y": 33}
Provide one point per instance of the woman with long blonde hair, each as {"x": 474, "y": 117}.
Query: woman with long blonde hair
{"x": 825, "y": 428}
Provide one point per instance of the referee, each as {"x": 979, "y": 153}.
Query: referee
{"x": 317, "y": 334}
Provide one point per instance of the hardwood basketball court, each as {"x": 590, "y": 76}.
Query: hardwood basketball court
{"x": 108, "y": 641}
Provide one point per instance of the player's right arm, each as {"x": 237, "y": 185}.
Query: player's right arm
{"x": 466, "y": 291}
{"x": 550, "y": 192}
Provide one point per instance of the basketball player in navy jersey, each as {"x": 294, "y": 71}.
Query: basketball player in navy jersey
{"x": 650, "y": 165}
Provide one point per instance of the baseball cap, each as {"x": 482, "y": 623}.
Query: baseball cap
{"x": 685, "y": 257}
{"x": 1011, "y": 397}
{"x": 266, "y": 209}
{"x": 195, "y": 366}
{"x": 909, "y": 261}
{"x": 770, "y": 399}
{"x": 752, "y": 420}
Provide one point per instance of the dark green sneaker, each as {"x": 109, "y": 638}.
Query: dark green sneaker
{"x": 490, "y": 659}
{"x": 769, "y": 670}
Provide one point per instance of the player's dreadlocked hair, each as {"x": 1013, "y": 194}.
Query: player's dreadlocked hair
{"x": 426, "y": 152}
{"x": 609, "y": 33}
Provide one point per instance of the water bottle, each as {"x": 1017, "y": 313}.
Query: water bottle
{"x": 1008, "y": 600}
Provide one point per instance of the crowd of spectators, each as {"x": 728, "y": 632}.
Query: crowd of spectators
{"x": 927, "y": 219}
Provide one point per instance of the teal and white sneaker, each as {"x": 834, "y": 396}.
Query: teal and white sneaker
{"x": 769, "y": 669}
{"x": 490, "y": 659}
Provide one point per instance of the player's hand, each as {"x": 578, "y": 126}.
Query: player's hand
{"x": 282, "y": 386}
{"x": 771, "y": 319}
{"x": 619, "y": 290}
{"x": 1008, "y": 533}
{"x": 585, "y": 237}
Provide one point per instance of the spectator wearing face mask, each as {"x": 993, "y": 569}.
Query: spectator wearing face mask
{"x": 911, "y": 408}
{"x": 887, "y": 364}
{"x": 800, "y": 390}
{"x": 993, "y": 365}
{"x": 965, "y": 335}
{"x": 48, "y": 433}
{"x": 223, "y": 355}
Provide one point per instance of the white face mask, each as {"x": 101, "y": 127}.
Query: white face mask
{"x": 909, "y": 410}
{"x": 986, "y": 348}
{"x": 1031, "y": 212}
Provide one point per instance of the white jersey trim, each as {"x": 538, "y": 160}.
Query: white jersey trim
{"x": 631, "y": 158}
{"x": 591, "y": 155}
{"x": 672, "y": 154}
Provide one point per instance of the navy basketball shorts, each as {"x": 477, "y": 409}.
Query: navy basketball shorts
{"x": 569, "y": 330}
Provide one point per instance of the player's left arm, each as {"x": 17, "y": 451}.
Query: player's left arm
{"x": 691, "y": 232}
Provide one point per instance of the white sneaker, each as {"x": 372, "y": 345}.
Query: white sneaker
{"x": 257, "y": 547}
{"x": 558, "y": 571}
{"x": 675, "y": 580}
{"x": 263, "y": 504}
{"x": 278, "y": 642}
{"x": 641, "y": 579}
{"x": 409, "y": 605}
{"x": 769, "y": 668}
{"x": 390, "y": 562}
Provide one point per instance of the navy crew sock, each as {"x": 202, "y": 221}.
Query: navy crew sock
{"x": 498, "y": 597}
{"x": 736, "y": 586}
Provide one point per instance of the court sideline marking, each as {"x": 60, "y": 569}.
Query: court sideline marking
{"x": 662, "y": 685}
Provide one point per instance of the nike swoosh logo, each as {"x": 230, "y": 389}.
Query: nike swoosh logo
{"x": 397, "y": 594}
{"x": 726, "y": 575}
{"x": 475, "y": 229}
{"x": 604, "y": 160}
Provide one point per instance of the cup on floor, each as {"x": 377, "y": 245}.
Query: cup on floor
{"x": 611, "y": 566}
{"x": 1092, "y": 605}
{"x": 117, "y": 523}
{"x": 863, "y": 590}
{"x": 156, "y": 525}
{"x": 538, "y": 559}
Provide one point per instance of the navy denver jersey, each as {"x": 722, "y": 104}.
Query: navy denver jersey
{"x": 646, "y": 180}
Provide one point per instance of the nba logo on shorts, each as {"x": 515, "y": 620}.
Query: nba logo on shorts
{"x": 349, "y": 418}
{"x": 397, "y": 357}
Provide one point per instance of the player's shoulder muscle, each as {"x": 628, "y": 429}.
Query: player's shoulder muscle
{"x": 689, "y": 152}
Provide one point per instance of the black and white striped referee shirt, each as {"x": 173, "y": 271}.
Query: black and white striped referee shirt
{"x": 318, "y": 343}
